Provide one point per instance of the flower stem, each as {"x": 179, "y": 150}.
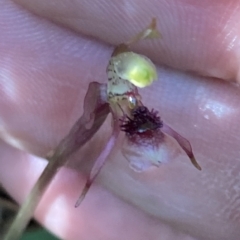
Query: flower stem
{"x": 96, "y": 110}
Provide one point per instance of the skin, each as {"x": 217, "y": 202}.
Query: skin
{"x": 45, "y": 67}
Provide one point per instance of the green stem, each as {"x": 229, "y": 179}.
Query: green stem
{"x": 76, "y": 138}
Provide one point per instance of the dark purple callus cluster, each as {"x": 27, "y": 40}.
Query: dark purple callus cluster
{"x": 141, "y": 121}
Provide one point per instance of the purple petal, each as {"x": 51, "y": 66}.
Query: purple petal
{"x": 183, "y": 142}
{"x": 96, "y": 109}
{"x": 99, "y": 163}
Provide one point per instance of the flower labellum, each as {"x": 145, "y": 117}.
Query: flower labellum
{"x": 149, "y": 142}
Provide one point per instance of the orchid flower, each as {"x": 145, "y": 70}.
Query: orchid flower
{"x": 148, "y": 140}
